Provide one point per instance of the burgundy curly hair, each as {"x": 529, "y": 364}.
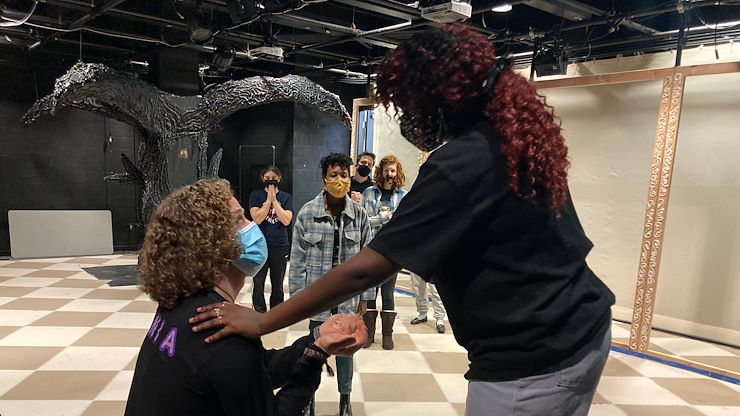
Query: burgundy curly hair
{"x": 442, "y": 70}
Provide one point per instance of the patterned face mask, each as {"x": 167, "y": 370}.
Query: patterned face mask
{"x": 426, "y": 136}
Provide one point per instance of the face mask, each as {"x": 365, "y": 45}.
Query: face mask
{"x": 363, "y": 170}
{"x": 269, "y": 182}
{"x": 254, "y": 250}
{"x": 337, "y": 189}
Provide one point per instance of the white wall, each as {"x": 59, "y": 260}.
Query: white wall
{"x": 389, "y": 141}
{"x": 610, "y": 131}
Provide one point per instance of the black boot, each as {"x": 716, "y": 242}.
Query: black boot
{"x": 310, "y": 410}
{"x": 345, "y": 407}
{"x": 370, "y": 317}
{"x": 386, "y": 320}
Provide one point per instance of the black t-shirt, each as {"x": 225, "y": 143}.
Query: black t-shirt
{"x": 177, "y": 373}
{"x": 513, "y": 277}
{"x": 360, "y": 186}
{"x": 276, "y": 234}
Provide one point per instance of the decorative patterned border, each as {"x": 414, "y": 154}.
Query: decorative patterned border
{"x": 661, "y": 174}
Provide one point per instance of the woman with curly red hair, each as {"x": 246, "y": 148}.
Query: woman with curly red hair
{"x": 491, "y": 219}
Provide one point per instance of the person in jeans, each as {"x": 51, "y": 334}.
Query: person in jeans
{"x": 329, "y": 230}
{"x": 380, "y": 202}
{"x": 272, "y": 210}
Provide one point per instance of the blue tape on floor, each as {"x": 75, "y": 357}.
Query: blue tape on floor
{"x": 681, "y": 366}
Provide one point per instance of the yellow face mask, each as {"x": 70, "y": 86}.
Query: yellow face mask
{"x": 338, "y": 189}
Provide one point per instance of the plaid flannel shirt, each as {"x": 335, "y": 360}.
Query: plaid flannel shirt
{"x": 313, "y": 246}
{"x": 371, "y": 201}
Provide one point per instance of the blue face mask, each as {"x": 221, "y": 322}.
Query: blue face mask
{"x": 254, "y": 250}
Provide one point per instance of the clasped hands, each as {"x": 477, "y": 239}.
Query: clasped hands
{"x": 342, "y": 334}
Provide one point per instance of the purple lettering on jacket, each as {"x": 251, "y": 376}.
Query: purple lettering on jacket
{"x": 153, "y": 328}
{"x": 169, "y": 342}
{"x": 156, "y": 336}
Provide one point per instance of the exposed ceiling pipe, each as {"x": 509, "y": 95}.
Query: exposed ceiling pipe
{"x": 384, "y": 7}
{"x": 92, "y": 14}
{"x": 602, "y": 21}
{"x": 233, "y": 36}
{"x": 361, "y": 35}
{"x": 577, "y": 11}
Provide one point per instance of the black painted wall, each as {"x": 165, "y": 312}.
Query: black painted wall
{"x": 270, "y": 124}
{"x": 316, "y": 134}
{"x": 59, "y": 163}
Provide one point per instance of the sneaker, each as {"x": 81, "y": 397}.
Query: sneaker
{"x": 441, "y": 327}
{"x": 419, "y": 320}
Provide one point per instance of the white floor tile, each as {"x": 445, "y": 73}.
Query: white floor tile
{"x": 436, "y": 343}
{"x": 10, "y": 379}
{"x": 95, "y": 305}
{"x": 44, "y": 336}
{"x": 650, "y": 368}
{"x": 12, "y": 272}
{"x": 91, "y": 359}
{"x": 370, "y": 361}
{"x": 605, "y": 410}
{"x": 409, "y": 408}
{"x": 59, "y": 293}
{"x": 44, "y": 407}
{"x": 636, "y": 390}
{"x": 118, "y": 388}
{"x": 65, "y": 266}
{"x": 128, "y": 320}
{"x": 30, "y": 282}
{"x": 719, "y": 410}
{"x": 327, "y": 391}
{"x": 454, "y": 387}
{"x": 11, "y": 317}
{"x": 689, "y": 347}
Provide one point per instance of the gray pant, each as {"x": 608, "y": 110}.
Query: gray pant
{"x": 422, "y": 304}
{"x": 567, "y": 392}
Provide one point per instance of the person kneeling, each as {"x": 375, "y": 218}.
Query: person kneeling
{"x": 193, "y": 255}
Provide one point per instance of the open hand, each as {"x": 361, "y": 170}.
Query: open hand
{"x": 342, "y": 335}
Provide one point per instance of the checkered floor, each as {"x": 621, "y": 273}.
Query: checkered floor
{"x": 68, "y": 345}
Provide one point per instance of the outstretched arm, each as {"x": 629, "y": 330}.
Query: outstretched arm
{"x": 365, "y": 270}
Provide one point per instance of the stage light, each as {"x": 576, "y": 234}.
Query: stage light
{"x": 502, "y": 8}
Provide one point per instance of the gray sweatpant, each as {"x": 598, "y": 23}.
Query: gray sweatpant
{"x": 567, "y": 392}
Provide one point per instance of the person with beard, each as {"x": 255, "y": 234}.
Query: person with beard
{"x": 362, "y": 180}
{"x": 272, "y": 210}
{"x": 380, "y": 202}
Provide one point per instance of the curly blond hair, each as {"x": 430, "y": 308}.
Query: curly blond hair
{"x": 191, "y": 233}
